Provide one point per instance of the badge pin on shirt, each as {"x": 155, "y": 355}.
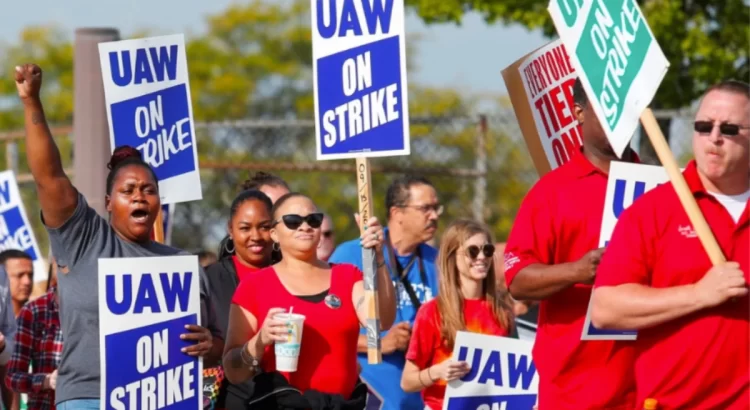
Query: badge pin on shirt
{"x": 333, "y": 301}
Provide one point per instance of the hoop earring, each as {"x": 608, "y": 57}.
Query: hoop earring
{"x": 226, "y": 246}
{"x": 276, "y": 247}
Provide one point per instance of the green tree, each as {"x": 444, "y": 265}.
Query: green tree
{"x": 706, "y": 41}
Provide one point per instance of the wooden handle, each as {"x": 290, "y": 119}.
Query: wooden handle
{"x": 369, "y": 263}
{"x": 680, "y": 185}
{"x": 159, "y": 227}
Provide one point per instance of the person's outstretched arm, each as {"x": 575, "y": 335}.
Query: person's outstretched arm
{"x": 57, "y": 196}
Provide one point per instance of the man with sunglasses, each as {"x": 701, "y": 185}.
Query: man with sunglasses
{"x": 551, "y": 257}
{"x": 413, "y": 212}
{"x": 693, "y": 319}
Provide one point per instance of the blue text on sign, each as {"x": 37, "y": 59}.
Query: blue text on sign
{"x": 340, "y": 23}
{"x": 486, "y": 367}
{"x": 175, "y": 288}
{"x": 149, "y": 65}
{"x": 158, "y": 124}
{"x": 145, "y": 368}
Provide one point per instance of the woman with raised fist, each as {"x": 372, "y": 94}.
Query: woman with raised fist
{"x": 79, "y": 237}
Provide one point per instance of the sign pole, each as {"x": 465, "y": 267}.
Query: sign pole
{"x": 369, "y": 263}
{"x": 680, "y": 186}
{"x": 159, "y": 227}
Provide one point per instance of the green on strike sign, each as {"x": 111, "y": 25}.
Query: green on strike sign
{"x": 617, "y": 58}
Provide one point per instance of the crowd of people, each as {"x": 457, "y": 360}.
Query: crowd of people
{"x": 692, "y": 318}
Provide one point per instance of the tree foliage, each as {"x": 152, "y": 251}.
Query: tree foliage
{"x": 705, "y": 40}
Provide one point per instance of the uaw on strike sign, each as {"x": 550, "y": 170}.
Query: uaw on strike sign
{"x": 626, "y": 183}
{"x": 15, "y": 230}
{"x": 144, "y": 305}
{"x": 148, "y": 106}
{"x": 359, "y": 69}
{"x": 502, "y": 377}
{"x": 617, "y": 58}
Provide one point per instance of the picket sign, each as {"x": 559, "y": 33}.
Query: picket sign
{"x": 361, "y": 104}
{"x": 15, "y": 229}
{"x": 147, "y": 92}
{"x": 626, "y": 183}
{"x": 144, "y": 305}
{"x": 503, "y": 375}
{"x": 540, "y": 86}
{"x": 623, "y": 69}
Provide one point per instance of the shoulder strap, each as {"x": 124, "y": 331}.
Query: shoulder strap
{"x": 402, "y": 272}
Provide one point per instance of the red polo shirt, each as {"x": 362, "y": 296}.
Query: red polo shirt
{"x": 559, "y": 221}
{"x": 702, "y": 360}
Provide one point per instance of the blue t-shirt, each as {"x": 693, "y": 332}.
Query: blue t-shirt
{"x": 385, "y": 379}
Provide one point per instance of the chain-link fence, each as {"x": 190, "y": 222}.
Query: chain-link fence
{"x": 479, "y": 164}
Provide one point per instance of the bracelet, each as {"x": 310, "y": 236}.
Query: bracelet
{"x": 248, "y": 359}
{"x": 380, "y": 265}
{"x": 429, "y": 375}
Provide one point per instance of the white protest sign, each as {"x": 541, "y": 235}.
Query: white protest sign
{"x": 359, "y": 73}
{"x": 617, "y": 58}
{"x": 540, "y": 85}
{"x": 15, "y": 229}
{"x": 144, "y": 305}
{"x": 147, "y": 92}
{"x": 502, "y": 377}
{"x": 626, "y": 183}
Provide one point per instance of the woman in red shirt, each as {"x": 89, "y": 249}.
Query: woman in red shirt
{"x": 331, "y": 297}
{"x": 468, "y": 301}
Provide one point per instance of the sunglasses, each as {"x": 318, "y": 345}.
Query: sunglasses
{"x": 295, "y": 221}
{"x": 327, "y": 234}
{"x": 474, "y": 250}
{"x": 705, "y": 127}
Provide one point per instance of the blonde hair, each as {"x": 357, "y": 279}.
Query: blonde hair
{"x": 450, "y": 299}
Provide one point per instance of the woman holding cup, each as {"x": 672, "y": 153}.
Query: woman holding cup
{"x": 314, "y": 349}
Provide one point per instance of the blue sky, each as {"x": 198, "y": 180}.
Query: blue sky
{"x": 478, "y": 52}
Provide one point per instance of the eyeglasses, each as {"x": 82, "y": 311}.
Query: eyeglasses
{"x": 437, "y": 208}
{"x": 293, "y": 222}
{"x": 487, "y": 249}
{"x": 327, "y": 234}
{"x": 730, "y": 130}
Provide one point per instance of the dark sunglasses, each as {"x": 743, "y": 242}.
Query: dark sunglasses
{"x": 327, "y": 234}
{"x": 487, "y": 249}
{"x": 705, "y": 127}
{"x": 295, "y": 221}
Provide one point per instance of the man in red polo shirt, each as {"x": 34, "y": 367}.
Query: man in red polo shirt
{"x": 551, "y": 256}
{"x": 693, "y": 320}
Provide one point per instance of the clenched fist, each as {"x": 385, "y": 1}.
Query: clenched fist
{"x": 721, "y": 283}
{"x": 586, "y": 266}
{"x": 28, "y": 82}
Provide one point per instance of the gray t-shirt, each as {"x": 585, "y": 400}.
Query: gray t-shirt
{"x": 77, "y": 245}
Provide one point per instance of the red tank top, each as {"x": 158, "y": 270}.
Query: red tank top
{"x": 328, "y": 353}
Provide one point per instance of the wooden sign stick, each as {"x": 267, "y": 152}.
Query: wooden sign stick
{"x": 369, "y": 263}
{"x": 680, "y": 186}
{"x": 159, "y": 227}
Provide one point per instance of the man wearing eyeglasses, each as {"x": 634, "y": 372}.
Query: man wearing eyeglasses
{"x": 413, "y": 212}
{"x": 327, "y": 239}
{"x": 693, "y": 319}
{"x": 551, "y": 257}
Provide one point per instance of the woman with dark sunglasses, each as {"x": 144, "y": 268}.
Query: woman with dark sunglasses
{"x": 331, "y": 298}
{"x": 468, "y": 301}
{"x": 247, "y": 250}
